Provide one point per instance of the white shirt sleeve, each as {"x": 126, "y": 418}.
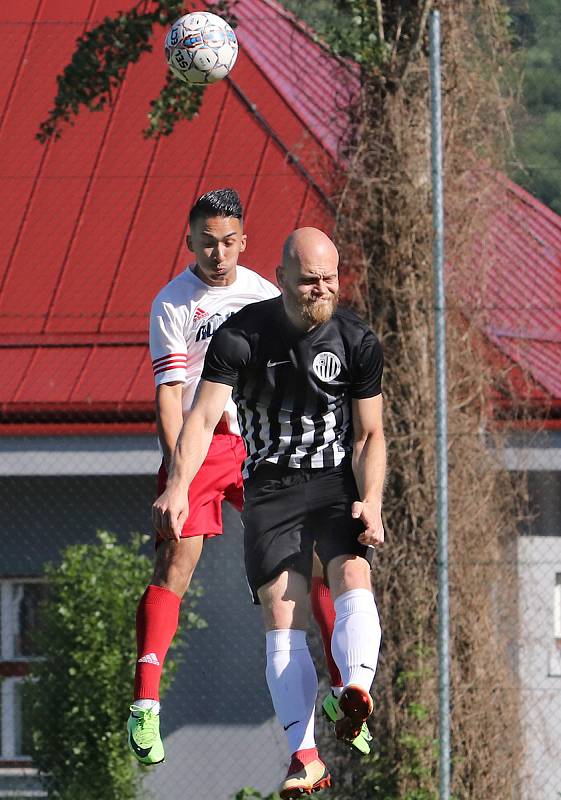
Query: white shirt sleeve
{"x": 270, "y": 290}
{"x": 168, "y": 346}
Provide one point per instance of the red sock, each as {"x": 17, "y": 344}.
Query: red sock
{"x": 324, "y": 614}
{"x": 302, "y": 757}
{"x": 157, "y": 617}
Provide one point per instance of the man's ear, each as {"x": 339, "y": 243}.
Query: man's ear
{"x": 243, "y": 244}
{"x": 279, "y": 272}
{"x": 189, "y": 243}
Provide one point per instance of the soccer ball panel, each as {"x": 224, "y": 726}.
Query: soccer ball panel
{"x": 226, "y": 56}
{"x": 174, "y": 35}
{"x": 196, "y": 76}
{"x": 178, "y": 74}
{"x": 200, "y": 48}
{"x": 192, "y": 40}
{"x": 213, "y": 36}
{"x": 204, "y": 59}
{"x": 196, "y": 20}
{"x": 181, "y": 59}
{"x": 217, "y": 74}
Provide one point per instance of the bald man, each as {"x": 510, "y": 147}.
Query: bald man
{"x": 306, "y": 378}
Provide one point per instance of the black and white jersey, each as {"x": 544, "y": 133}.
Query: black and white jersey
{"x": 293, "y": 390}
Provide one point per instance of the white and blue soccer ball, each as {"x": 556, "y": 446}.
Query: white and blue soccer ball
{"x": 201, "y": 48}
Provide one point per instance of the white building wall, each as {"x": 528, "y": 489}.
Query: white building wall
{"x": 539, "y": 561}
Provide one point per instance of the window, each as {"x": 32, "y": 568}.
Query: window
{"x": 19, "y": 605}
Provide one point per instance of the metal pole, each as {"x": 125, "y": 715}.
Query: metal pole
{"x": 441, "y": 412}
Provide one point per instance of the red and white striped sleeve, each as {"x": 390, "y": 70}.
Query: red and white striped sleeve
{"x": 168, "y": 346}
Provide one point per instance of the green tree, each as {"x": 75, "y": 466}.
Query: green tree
{"x": 352, "y": 28}
{"x": 537, "y": 27}
{"x": 87, "y": 637}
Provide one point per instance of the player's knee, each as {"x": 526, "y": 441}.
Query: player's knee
{"x": 285, "y": 603}
{"x": 281, "y": 616}
{"x": 173, "y": 580}
{"x": 348, "y": 572}
{"x": 175, "y": 565}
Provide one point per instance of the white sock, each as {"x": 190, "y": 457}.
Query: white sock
{"x": 293, "y": 684}
{"x": 143, "y": 703}
{"x": 355, "y": 642}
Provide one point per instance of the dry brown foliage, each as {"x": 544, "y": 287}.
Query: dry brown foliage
{"x": 384, "y": 229}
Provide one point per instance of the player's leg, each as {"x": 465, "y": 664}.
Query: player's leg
{"x": 158, "y": 610}
{"x": 356, "y": 640}
{"x": 292, "y": 680}
{"x": 356, "y": 633}
{"x": 324, "y": 614}
{"x": 157, "y": 619}
{"x": 278, "y": 565}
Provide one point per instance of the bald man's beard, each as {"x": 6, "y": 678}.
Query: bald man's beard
{"x": 312, "y": 312}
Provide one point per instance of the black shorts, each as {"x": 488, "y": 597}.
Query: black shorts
{"x": 286, "y": 511}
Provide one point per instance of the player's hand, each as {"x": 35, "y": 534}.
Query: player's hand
{"x": 170, "y": 511}
{"x": 370, "y": 514}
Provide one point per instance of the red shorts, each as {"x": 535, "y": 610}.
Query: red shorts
{"x": 219, "y": 478}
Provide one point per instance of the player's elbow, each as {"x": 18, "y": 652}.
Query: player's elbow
{"x": 369, "y": 437}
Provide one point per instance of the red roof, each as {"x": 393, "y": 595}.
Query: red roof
{"x": 316, "y": 86}
{"x": 94, "y": 225}
{"x": 519, "y": 271}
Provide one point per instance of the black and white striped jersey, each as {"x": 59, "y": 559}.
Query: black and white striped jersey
{"x": 293, "y": 390}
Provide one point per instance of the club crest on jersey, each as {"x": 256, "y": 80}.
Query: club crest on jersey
{"x": 326, "y": 366}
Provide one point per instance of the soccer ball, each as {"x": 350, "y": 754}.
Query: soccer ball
{"x": 201, "y": 48}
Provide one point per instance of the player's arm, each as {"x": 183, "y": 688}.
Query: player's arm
{"x": 168, "y": 348}
{"x": 227, "y": 354}
{"x": 369, "y": 466}
{"x": 171, "y": 509}
{"x": 169, "y": 417}
{"x": 196, "y": 434}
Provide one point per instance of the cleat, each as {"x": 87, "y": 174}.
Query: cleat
{"x": 304, "y": 779}
{"x": 356, "y": 705}
{"x": 330, "y": 709}
{"x": 144, "y": 736}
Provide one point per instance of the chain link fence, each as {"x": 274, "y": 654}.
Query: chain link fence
{"x": 92, "y": 227}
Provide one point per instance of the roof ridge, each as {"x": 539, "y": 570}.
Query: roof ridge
{"x": 307, "y": 30}
{"x": 304, "y": 97}
{"x": 531, "y": 200}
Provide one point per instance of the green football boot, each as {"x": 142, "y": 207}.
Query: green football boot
{"x": 144, "y": 736}
{"x": 330, "y": 709}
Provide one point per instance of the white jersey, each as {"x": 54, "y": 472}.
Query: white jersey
{"x": 184, "y": 316}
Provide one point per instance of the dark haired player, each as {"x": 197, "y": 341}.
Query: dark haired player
{"x": 306, "y": 378}
{"x": 184, "y": 316}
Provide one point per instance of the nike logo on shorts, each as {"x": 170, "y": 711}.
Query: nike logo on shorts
{"x": 276, "y": 363}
